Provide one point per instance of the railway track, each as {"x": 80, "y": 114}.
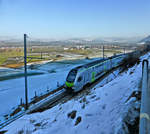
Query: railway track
{"x": 64, "y": 97}
{"x": 49, "y": 99}
{"x": 59, "y": 96}
{"x": 47, "y": 102}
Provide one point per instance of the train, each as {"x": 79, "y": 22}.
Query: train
{"x": 82, "y": 75}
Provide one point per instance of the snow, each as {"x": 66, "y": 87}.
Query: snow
{"x": 12, "y": 90}
{"x": 101, "y": 111}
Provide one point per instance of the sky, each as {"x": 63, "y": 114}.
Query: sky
{"x": 74, "y": 18}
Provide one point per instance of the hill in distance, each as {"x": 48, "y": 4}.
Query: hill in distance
{"x": 145, "y": 40}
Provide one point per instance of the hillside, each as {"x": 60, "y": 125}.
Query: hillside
{"x": 102, "y": 110}
{"x": 145, "y": 40}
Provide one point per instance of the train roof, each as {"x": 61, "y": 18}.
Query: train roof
{"x": 93, "y": 63}
{"x": 89, "y": 64}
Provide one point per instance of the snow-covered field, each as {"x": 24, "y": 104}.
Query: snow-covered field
{"x": 12, "y": 90}
{"x": 5, "y": 71}
{"x": 99, "y": 112}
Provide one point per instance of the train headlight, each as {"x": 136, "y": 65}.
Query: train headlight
{"x": 69, "y": 84}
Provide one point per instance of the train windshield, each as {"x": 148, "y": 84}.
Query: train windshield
{"x": 72, "y": 75}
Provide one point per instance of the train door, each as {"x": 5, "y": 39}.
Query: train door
{"x": 108, "y": 65}
{"x": 105, "y": 66}
{"x": 80, "y": 82}
{"x": 101, "y": 69}
{"x": 111, "y": 66}
{"x": 86, "y": 77}
{"x": 89, "y": 75}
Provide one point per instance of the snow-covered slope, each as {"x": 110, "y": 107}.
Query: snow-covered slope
{"x": 98, "y": 112}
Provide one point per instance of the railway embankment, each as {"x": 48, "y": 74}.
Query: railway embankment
{"x": 131, "y": 122}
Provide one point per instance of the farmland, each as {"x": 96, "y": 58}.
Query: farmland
{"x": 13, "y": 57}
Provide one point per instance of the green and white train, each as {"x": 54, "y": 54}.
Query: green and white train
{"x": 80, "y": 76}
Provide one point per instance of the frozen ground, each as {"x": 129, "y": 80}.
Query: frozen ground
{"x": 99, "y": 112}
{"x": 5, "y": 71}
{"x": 12, "y": 90}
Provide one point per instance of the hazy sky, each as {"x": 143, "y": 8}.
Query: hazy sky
{"x": 74, "y": 18}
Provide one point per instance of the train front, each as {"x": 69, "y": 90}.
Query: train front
{"x": 70, "y": 80}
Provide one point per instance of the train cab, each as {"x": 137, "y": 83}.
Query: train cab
{"x": 71, "y": 78}
{"x": 74, "y": 80}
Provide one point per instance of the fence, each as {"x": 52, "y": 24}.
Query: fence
{"x": 145, "y": 101}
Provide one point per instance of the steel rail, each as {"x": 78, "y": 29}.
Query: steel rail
{"x": 34, "y": 107}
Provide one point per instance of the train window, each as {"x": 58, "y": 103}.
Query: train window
{"x": 72, "y": 75}
{"x": 79, "y": 79}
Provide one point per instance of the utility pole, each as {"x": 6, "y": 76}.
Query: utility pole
{"x": 103, "y": 52}
{"x": 124, "y": 50}
{"x": 25, "y": 71}
{"x": 41, "y": 55}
